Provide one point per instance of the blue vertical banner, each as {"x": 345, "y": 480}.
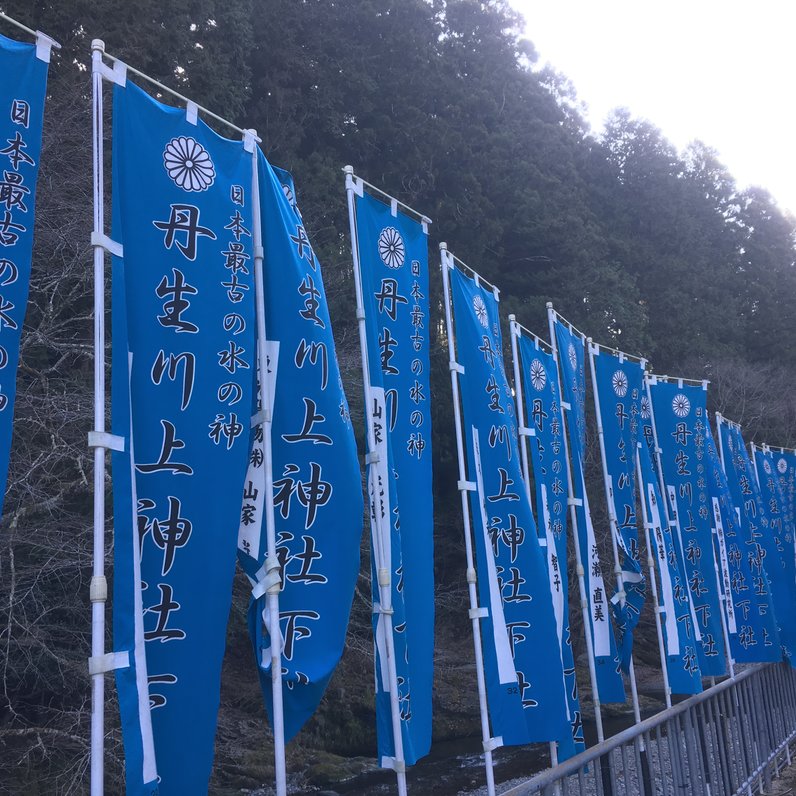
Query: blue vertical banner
{"x": 785, "y": 465}
{"x": 619, "y": 383}
{"x": 749, "y": 610}
{"x": 778, "y": 544}
{"x": 677, "y": 622}
{"x": 22, "y": 91}
{"x": 522, "y": 656}
{"x": 551, "y": 479}
{"x": 680, "y": 413}
{"x": 183, "y": 364}
{"x": 393, "y": 263}
{"x": 316, "y": 478}
{"x": 571, "y": 356}
{"x": 760, "y": 544}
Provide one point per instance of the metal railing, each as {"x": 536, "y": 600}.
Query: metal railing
{"x": 728, "y": 740}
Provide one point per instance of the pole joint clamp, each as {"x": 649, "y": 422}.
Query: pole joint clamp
{"x": 98, "y": 589}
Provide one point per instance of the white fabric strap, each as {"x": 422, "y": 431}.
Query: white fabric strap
{"x": 104, "y": 242}
{"x": 466, "y": 486}
{"x": 117, "y": 74}
{"x": 456, "y": 367}
{"x": 102, "y": 439}
{"x": 378, "y": 608}
{"x": 268, "y": 576}
{"x": 355, "y": 184}
{"x": 260, "y": 418}
{"x": 44, "y": 46}
{"x": 493, "y": 743}
{"x": 109, "y": 662}
{"x": 399, "y": 766}
{"x": 478, "y": 613}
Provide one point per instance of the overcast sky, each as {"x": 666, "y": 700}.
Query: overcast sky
{"x": 722, "y": 72}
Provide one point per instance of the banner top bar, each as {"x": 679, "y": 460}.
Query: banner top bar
{"x": 476, "y": 275}
{"x": 643, "y": 361}
{"x": 561, "y": 319}
{"x": 657, "y": 377}
{"x": 99, "y": 46}
{"x": 349, "y": 171}
{"x": 538, "y": 340}
{"x": 37, "y": 34}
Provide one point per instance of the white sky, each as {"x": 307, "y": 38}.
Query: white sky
{"x": 723, "y": 72}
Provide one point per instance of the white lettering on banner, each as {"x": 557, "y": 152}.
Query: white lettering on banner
{"x": 601, "y": 628}
{"x": 251, "y": 517}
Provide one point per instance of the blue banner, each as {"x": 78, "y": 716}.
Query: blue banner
{"x": 749, "y": 612}
{"x": 522, "y": 657}
{"x": 183, "y": 365}
{"x": 571, "y": 353}
{"x": 619, "y": 383}
{"x": 317, "y": 483}
{"x": 551, "y": 479}
{"x": 785, "y": 464}
{"x": 680, "y": 420}
{"x": 677, "y": 621}
{"x": 393, "y": 261}
{"x": 22, "y": 91}
{"x": 777, "y": 542}
{"x": 759, "y": 542}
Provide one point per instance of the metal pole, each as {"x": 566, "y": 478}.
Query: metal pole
{"x": 265, "y": 420}
{"x": 584, "y": 605}
{"x": 541, "y": 513}
{"x": 99, "y": 585}
{"x": 620, "y": 578}
{"x": 464, "y": 488}
{"x": 657, "y": 609}
{"x": 381, "y": 538}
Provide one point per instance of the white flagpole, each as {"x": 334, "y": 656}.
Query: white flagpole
{"x": 612, "y": 519}
{"x": 380, "y": 536}
{"x": 657, "y": 608}
{"x": 264, "y": 418}
{"x": 99, "y": 585}
{"x": 573, "y": 518}
{"x": 466, "y": 486}
{"x": 524, "y": 433}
